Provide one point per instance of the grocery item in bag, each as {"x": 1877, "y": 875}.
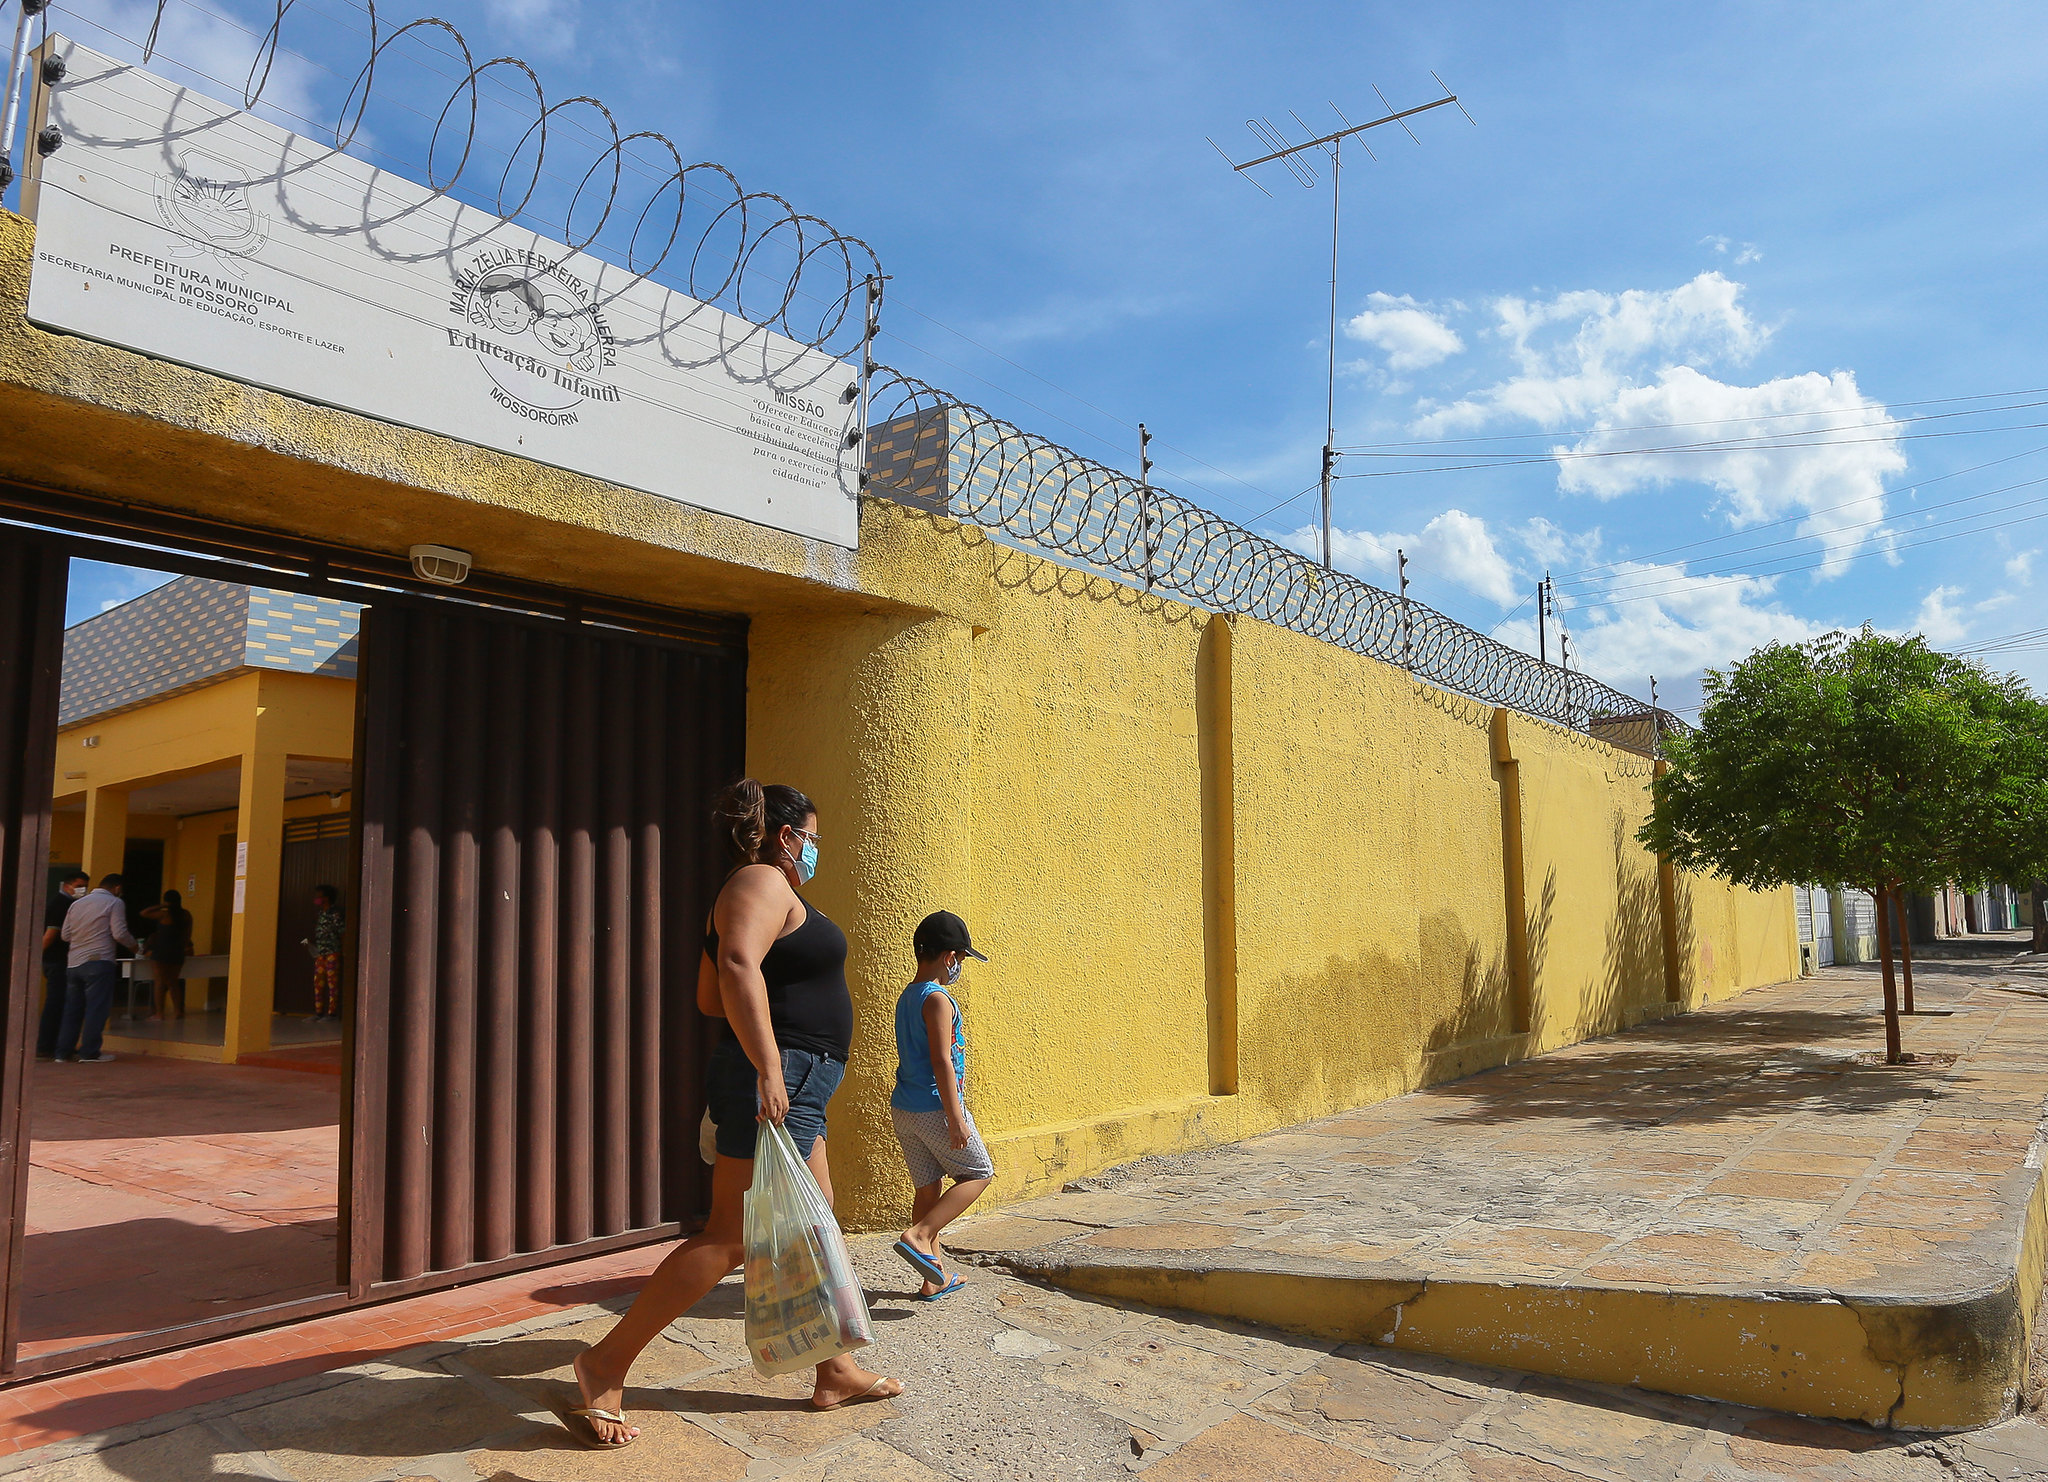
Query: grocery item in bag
{"x": 803, "y": 1303}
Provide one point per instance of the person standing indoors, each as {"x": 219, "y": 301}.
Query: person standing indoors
{"x": 774, "y": 968}
{"x": 325, "y": 945}
{"x": 95, "y": 922}
{"x": 56, "y": 961}
{"x": 169, "y": 945}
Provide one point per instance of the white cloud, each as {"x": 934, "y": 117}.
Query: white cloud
{"x": 1645, "y": 618}
{"x": 212, "y": 53}
{"x": 1454, "y": 547}
{"x": 548, "y": 24}
{"x": 2021, "y": 567}
{"x": 1748, "y": 253}
{"x": 1816, "y": 443}
{"x": 1608, "y": 363}
{"x": 1628, "y": 620}
{"x": 1413, "y": 335}
{"x": 1938, "y": 620}
{"x": 1577, "y": 351}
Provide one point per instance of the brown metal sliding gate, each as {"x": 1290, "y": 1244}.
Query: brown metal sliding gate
{"x": 32, "y": 581}
{"x": 535, "y": 862}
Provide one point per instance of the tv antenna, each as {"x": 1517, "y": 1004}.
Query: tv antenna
{"x": 1279, "y": 149}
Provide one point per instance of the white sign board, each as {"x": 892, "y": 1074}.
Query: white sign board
{"x": 174, "y": 225}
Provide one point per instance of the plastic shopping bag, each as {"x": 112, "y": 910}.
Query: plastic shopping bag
{"x": 803, "y": 1303}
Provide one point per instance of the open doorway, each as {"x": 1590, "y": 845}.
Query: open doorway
{"x": 185, "y": 1107}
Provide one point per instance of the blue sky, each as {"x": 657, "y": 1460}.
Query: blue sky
{"x": 1804, "y": 233}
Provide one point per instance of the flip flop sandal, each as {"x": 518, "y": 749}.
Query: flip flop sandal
{"x": 587, "y": 1433}
{"x": 921, "y": 1263}
{"x": 953, "y": 1285}
{"x": 872, "y": 1392}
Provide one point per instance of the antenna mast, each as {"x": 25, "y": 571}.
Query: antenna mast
{"x": 1290, "y": 155}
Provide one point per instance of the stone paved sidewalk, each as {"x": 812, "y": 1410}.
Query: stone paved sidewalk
{"x": 1015, "y": 1380}
{"x": 1724, "y": 1150}
{"x": 1747, "y": 1152}
{"x": 1008, "y": 1382}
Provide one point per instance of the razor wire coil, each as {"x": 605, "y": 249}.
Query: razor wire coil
{"x": 927, "y": 449}
{"x": 726, "y": 255}
{"x": 931, "y": 451}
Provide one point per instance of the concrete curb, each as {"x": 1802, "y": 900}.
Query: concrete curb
{"x": 1947, "y": 1363}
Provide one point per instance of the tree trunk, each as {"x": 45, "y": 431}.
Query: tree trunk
{"x": 1905, "y": 946}
{"x": 1892, "y": 1054}
{"x": 2040, "y": 942}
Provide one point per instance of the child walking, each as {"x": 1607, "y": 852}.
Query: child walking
{"x": 928, "y": 1105}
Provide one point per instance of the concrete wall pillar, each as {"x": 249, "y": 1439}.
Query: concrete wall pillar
{"x": 106, "y": 832}
{"x": 1214, "y": 703}
{"x": 1521, "y": 971}
{"x": 259, "y": 849}
{"x": 872, "y": 716}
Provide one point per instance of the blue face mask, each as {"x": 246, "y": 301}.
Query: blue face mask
{"x": 807, "y": 862}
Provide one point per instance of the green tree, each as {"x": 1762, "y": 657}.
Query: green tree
{"x": 2003, "y": 833}
{"x": 1858, "y": 758}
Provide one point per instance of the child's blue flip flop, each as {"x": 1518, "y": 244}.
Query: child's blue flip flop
{"x": 921, "y": 1263}
{"x": 947, "y": 1290}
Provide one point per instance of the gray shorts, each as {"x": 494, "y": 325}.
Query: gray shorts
{"x": 928, "y": 1149}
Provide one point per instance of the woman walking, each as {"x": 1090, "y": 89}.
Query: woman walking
{"x": 774, "y": 967}
{"x": 168, "y": 946}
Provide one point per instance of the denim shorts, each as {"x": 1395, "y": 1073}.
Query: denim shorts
{"x": 733, "y": 1089}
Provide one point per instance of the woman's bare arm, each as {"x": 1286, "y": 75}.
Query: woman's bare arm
{"x": 750, "y": 916}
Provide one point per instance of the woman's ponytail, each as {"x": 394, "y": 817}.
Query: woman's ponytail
{"x": 749, "y": 814}
{"x": 740, "y": 814}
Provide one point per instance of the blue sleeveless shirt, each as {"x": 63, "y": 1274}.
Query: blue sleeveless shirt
{"x": 917, "y": 1088}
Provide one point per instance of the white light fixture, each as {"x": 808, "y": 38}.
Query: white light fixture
{"x": 443, "y": 565}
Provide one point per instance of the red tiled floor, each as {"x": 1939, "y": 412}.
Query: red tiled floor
{"x": 319, "y": 1059}
{"x": 169, "y": 1191}
{"x": 41, "y": 1411}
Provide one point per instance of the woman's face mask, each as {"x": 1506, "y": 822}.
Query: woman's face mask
{"x": 807, "y": 861}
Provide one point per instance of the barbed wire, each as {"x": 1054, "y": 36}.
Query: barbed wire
{"x": 930, "y": 451}
{"x": 927, "y": 449}
{"x": 750, "y": 252}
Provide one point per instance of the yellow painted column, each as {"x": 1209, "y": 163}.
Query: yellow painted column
{"x": 106, "y": 832}
{"x": 259, "y": 849}
{"x": 1521, "y": 973}
{"x": 871, "y": 716}
{"x": 1214, "y": 701}
{"x": 1667, "y": 915}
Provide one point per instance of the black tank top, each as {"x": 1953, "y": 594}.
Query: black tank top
{"x": 809, "y": 1005}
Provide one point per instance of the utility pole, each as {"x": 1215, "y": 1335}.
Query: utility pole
{"x": 1145, "y": 500}
{"x": 1543, "y": 613}
{"x": 1289, "y": 155}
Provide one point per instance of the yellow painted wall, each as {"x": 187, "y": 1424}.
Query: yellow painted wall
{"x": 1328, "y": 923}
{"x": 1595, "y": 928}
{"x": 1037, "y": 763}
{"x": 1371, "y": 918}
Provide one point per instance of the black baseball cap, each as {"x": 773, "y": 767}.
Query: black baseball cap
{"x": 942, "y": 931}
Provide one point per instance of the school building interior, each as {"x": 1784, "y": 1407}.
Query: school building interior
{"x": 206, "y": 730}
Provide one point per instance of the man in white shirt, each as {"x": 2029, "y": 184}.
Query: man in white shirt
{"x": 91, "y": 927}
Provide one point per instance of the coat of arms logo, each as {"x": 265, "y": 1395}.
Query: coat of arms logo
{"x": 206, "y": 201}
